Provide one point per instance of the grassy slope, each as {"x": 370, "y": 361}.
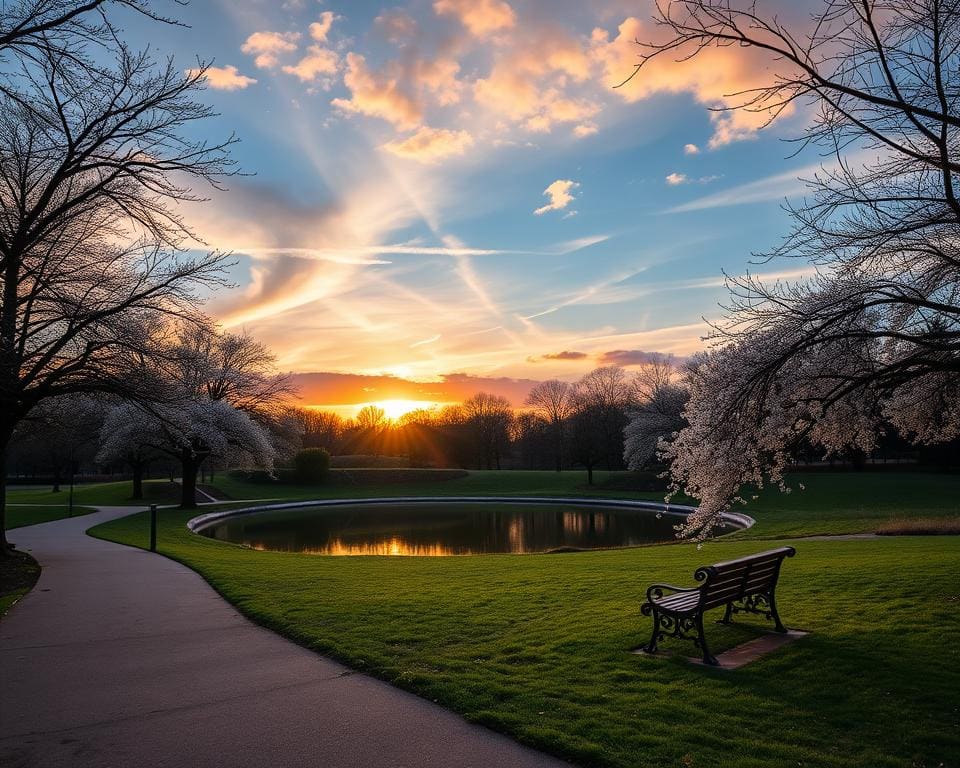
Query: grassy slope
{"x": 537, "y": 645}
{"x": 18, "y": 516}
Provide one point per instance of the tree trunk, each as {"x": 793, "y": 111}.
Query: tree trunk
{"x": 138, "y": 469}
{"x": 188, "y": 479}
{"x": 5, "y": 547}
{"x": 590, "y": 474}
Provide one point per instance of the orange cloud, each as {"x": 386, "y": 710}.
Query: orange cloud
{"x": 318, "y": 61}
{"x": 560, "y": 194}
{"x": 320, "y": 29}
{"x": 480, "y": 17}
{"x": 428, "y": 145}
{"x": 225, "y": 78}
{"x": 377, "y": 94}
{"x": 266, "y": 46}
{"x": 401, "y": 90}
{"x": 712, "y": 76}
{"x": 531, "y": 82}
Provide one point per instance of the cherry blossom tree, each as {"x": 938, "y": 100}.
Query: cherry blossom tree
{"x": 190, "y": 431}
{"x": 874, "y": 336}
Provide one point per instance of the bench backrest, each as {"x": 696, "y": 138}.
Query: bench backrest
{"x": 736, "y": 579}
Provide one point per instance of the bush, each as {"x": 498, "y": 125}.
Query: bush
{"x": 311, "y": 465}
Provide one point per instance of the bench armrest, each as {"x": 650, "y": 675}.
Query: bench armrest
{"x": 656, "y": 590}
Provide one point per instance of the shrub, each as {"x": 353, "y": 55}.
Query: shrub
{"x": 311, "y": 465}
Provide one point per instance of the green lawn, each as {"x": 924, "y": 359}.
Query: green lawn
{"x": 538, "y": 645}
{"x": 18, "y": 516}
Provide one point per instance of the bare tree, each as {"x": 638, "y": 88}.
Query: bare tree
{"x": 231, "y": 366}
{"x": 92, "y": 169}
{"x": 35, "y": 28}
{"x": 601, "y": 401}
{"x": 551, "y": 401}
{"x": 877, "y": 332}
{"x": 488, "y": 418}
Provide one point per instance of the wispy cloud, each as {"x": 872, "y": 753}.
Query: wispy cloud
{"x": 774, "y": 187}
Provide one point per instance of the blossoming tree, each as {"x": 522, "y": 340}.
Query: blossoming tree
{"x": 873, "y": 338}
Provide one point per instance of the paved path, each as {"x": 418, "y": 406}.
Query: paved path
{"x": 123, "y": 658}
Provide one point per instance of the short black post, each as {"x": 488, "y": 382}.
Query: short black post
{"x": 153, "y": 527}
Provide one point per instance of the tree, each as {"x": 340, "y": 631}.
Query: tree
{"x": 59, "y": 433}
{"x": 118, "y": 445}
{"x": 234, "y": 367}
{"x": 93, "y": 163}
{"x": 488, "y": 418}
{"x": 320, "y": 429}
{"x": 189, "y": 431}
{"x": 371, "y": 418}
{"x": 551, "y": 400}
{"x": 654, "y": 422}
{"x": 876, "y": 333}
{"x": 602, "y": 399}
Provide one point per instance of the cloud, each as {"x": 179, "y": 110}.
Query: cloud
{"x": 331, "y": 388}
{"x": 532, "y": 83}
{"x": 377, "y": 95}
{"x": 224, "y": 78}
{"x": 691, "y": 149}
{"x": 585, "y": 129}
{"x": 266, "y": 46}
{"x": 675, "y": 179}
{"x": 428, "y": 145}
{"x": 318, "y": 61}
{"x": 401, "y": 90}
{"x": 713, "y": 77}
{"x": 320, "y": 29}
{"x": 397, "y": 25}
{"x": 774, "y": 187}
{"x": 565, "y": 355}
{"x": 480, "y": 17}
{"x": 627, "y": 357}
{"x": 560, "y": 194}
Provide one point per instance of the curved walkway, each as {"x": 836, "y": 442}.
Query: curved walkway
{"x": 119, "y": 657}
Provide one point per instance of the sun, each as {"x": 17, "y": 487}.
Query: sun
{"x": 394, "y": 409}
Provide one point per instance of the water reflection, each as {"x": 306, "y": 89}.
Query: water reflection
{"x": 443, "y": 528}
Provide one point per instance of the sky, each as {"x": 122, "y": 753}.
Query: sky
{"x": 446, "y": 196}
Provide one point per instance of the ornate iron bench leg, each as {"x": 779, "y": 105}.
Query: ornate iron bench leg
{"x": 775, "y": 615}
{"x": 651, "y": 647}
{"x": 727, "y": 615}
{"x": 708, "y": 657}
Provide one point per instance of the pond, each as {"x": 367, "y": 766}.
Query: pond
{"x": 441, "y": 527}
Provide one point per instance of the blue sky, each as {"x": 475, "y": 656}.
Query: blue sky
{"x": 400, "y": 152}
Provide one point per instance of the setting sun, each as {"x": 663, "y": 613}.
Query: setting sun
{"x": 394, "y": 409}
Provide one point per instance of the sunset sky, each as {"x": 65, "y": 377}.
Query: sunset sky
{"x": 450, "y": 195}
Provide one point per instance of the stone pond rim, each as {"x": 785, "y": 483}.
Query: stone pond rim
{"x": 207, "y": 520}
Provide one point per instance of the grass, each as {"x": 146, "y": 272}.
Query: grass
{"x": 18, "y": 516}
{"x": 538, "y": 646}
{"x": 18, "y": 573}
{"x": 921, "y": 526}
{"x": 106, "y": 494}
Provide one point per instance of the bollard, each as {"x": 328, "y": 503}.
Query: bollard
{"x": 153, "y": 527}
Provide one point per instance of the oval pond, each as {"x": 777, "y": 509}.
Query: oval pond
{"x": 443, "y": 527}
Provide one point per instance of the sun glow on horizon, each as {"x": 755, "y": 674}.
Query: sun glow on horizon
{"x": 393, "y": 408}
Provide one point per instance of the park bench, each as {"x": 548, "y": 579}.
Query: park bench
{"x": 745, "y": 585}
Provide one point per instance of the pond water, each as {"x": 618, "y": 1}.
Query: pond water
{"x": 438, "y": 528}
